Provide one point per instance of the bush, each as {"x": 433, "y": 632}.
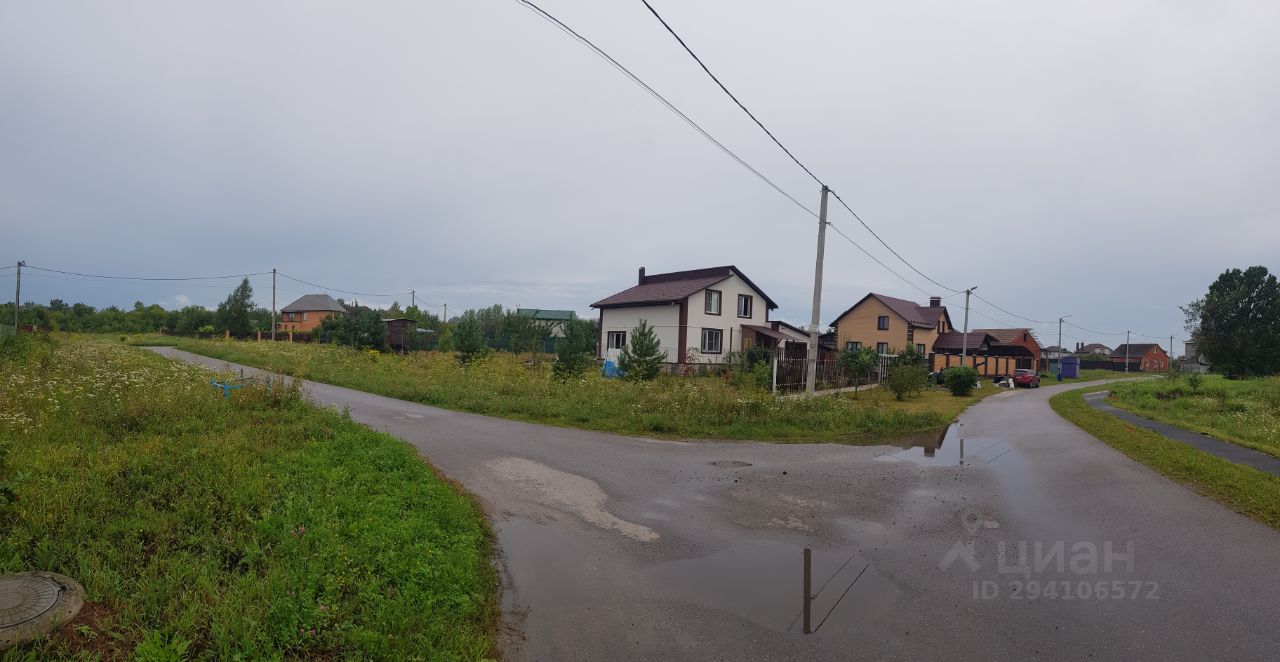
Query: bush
{"x": 468, "y": 338}
{"x": 1194, "y": 380}
{"x": 574, "y": 352}
{"x": 961, "y": 380}
{"x": 907, "y": 374}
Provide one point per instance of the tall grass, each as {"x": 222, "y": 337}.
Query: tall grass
{"x": 258, "y": 527}
{"x": 507, "y": 386}
{"x": 1242, "y": 411}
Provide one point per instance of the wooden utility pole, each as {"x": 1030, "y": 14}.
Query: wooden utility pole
{"x": 811, "y": 376}
{"x": 273, "y": 303}
{"x": 17, "y": 296}
{"x": 1126, "y": 350}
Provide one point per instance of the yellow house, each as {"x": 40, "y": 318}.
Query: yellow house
{"x": 888, "y": 324}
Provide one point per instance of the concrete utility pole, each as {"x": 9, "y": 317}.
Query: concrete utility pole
{"x": 17, "y": 296}
{"x": 1126, "y": 350}
{"x": 1060, "y": 351}
{"x": 446, "y": 315}
{"x": 1169, "y": 359}
{"x": 413, "y": 298}
{"x": 811, "y": 377}
{"x": 964, "y": 338}
{"x": 273, "y": 303}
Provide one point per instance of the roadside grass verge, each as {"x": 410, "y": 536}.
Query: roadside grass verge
{"x": 673, "y": 407}
{"x": 1243, "y": 489}
{"x": 259, "y": 527}
{"x": 1242, "y": 411}
{"x": 1088, "y": 375}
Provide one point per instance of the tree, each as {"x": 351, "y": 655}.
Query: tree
{"x": 641, "y": 358}
{"x": 468, "y": 337}
{"x": 234, "y": 314}
{"x": 907, "y": 374}
{"x": 576, "y": 349}
{"x": 362, "y": 328}
{"x": 858, "y": 364}
{"x": 526, "y": 333}
{"x": 1239, "y": 323}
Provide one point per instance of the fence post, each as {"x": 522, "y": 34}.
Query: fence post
{"x": 774, "y": 389}
{"x": 808, "y": 596}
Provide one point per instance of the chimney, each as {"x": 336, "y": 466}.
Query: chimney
{"x": 641, "y": 276}
{"x": 935, "y": 302}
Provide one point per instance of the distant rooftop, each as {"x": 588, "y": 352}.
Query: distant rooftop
{"x": 548, "y": 315}
{"x": 314, "y": 302}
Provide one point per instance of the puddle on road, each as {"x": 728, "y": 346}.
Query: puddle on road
{"x": 762, "y": 581}
{"x": 730, "y": 464}
{"x": 949, "y": 448}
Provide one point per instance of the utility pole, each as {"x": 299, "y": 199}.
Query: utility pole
{"x": 446, "y": 315}
{"x": 413, "y": 298}
{"x": 1060, "y": 350}
{"x": 811, "y": 378}
{"x": 1126, "y": 350}
{"x": 1169, "y": 359}
{"x": 964, "y": 339}
{"x": 273, "y": 303}
{"x": 17, "y": 296}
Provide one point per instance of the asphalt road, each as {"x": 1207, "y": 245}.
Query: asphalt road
{"x": 1039, "y": 542}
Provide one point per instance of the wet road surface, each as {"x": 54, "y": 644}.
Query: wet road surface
{"x": 1040, "y": 542}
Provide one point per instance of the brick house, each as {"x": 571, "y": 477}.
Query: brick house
{"x": 1020, "y": 344}
{"x": 1145, "y": 357}
{"x": 307, "y": 312}
{"x": 889, "y": 325}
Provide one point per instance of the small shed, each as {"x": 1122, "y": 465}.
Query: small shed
{"x": 400, "y": 333}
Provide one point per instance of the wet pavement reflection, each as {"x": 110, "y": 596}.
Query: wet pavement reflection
{"x": 949, "y": 448}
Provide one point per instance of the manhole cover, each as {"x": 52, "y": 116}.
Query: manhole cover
{"x": 733, "y": 464}
{"x": 35, "y": 603}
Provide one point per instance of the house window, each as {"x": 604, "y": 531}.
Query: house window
{"x": 857, "y": 345}
{"x": 882, "y": 347}
{"x": 911, "y": 334}
{"x": 882, "y": 323}
{"x": 304, "y": 316}
{"x": 920, "y": 349}
{"x": 711, "y": 341}
{"x": 712, "y": 302}
{"x": 744, "y": 305}
{"x": 617, "y": 339}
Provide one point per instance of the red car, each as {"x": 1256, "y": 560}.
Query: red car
{"x": 1027, "y": 378}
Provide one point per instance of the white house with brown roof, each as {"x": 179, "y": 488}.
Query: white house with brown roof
{"x": 698, "y": 315}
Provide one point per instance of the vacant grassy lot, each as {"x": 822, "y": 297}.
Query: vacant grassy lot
{"x": 1244, "y": 411}
{"x": 1243, "y": 489}
{"x": 502, "y": 385}
{"x": 1047, "y": 378}
{"x": 253, "y": 528}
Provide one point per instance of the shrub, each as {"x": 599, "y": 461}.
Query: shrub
{"x": 1194, "y": 380}
{"x": 961, "y": 380}
{"x": 907, "y": 374}
{"x": 857, "y": 365}
{"x": 468, "y": 338}
{"x": 574, "y": 352}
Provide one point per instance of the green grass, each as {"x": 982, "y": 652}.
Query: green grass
{"x": 1242, "y": 411}
{"x": 1243, "y": 489}
{"x": 1047, "y": 378}
{"x": 259, "y": 527}
{"x": 688, "y": 407}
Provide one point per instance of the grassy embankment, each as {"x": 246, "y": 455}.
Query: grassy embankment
{"x": 259, "y": 527}
{"x": 1047, "y": 378}
{"x": 1242, "y": 411}
{"x": 690, "y": 407}
{"x": 1243, "y": 489}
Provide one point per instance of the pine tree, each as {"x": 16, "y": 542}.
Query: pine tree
{"x": 641, "y": 358}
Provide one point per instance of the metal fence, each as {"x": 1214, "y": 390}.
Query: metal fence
{"x": 791, "y": 375}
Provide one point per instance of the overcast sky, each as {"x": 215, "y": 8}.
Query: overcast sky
{"x": 1106, "y": 160}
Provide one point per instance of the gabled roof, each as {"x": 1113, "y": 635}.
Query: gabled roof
{"x": 314, "y": 302}
{"x": 547, "y": 315}
{"x": 912, "y": 312}
{"x": 676, "y": 286}
{"x": 955, "y": 340}
{"x": 1010, "y": 336}
{"x": 1094, "y": 347}
{"x": 1136, "y": 350}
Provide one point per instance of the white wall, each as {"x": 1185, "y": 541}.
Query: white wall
{"x": 727, "y": 321}
{"x": 664, "y": 319}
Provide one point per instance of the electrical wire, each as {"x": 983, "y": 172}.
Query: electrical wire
{"x": 155, "y": 278}
{"x": 1028, "y": 319}
{"x": 334, "y": 289}
{"x": 670, "y": 106}
{"x": 877, "y": 260}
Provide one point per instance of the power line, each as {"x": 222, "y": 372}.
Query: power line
{"x": 877, "y": 260}
{"x": 157, "y": 278}
{"x": 670, "y": 106}
{"x": 334, "y": 289}
{"x": 1028, "y": 319}
{"x": 891, "y": 250}
{"x": 731, "y": 96}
